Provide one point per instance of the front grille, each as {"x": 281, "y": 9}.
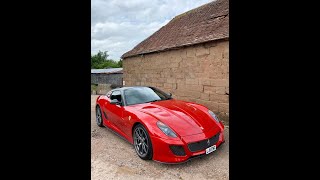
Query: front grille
{"x": 177, "y": 150}
{"x": 201, "y": 145}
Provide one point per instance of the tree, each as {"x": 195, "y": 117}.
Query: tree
{"x": 120, "y": 63}
{"x": 101, "y": 61}
{"x": 98, "y": 60}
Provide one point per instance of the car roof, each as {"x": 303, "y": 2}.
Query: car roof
{"x": 129, "y": 87}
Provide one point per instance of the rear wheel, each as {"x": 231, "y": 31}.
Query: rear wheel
{"x": 142, "y": 142}
{"x": 99, "y": 117}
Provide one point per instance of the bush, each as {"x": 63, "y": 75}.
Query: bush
{"x": 94, "y": 87}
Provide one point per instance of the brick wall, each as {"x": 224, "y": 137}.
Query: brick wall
{"x": 198, "y": 73}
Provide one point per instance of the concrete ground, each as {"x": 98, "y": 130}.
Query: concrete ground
{"x": 114, "y": 158}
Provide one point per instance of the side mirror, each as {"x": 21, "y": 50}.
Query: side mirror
{"x": 114, "y": 101}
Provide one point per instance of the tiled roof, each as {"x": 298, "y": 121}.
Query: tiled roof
{"x": 205, "y": 23}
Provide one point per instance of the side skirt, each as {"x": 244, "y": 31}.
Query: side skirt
{"x": 110, "y": 128}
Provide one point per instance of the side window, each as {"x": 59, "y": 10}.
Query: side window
{"x": 116, "y": 95}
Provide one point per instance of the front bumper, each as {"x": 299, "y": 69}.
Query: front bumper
{"x": 162, "y": 152}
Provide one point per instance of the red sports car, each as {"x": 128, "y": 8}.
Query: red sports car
{"x": 160, "y": 127}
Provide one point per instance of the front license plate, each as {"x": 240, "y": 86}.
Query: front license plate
{"x": 211, "y": 149}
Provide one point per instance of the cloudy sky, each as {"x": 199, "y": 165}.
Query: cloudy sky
{"x": 119, "y": 25}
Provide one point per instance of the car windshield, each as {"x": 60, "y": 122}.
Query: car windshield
{"x": 138, "y": 95}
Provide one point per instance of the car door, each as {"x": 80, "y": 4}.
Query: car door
{"x": 104, "y": 101}
{"x": 115, "y": 111}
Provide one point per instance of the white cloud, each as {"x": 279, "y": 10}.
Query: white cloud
{"x": 119, "y": 25}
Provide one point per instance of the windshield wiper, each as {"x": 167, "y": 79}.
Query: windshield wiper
{"x": 152, "y": 101}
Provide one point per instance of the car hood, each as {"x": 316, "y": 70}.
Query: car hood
{"x": 183, "y": 117}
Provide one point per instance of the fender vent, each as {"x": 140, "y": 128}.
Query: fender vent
{"x": 105, "y": 115}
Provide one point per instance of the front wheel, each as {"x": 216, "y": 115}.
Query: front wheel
{"x": 142, "y": 142}
{"x": 99, "y": 117}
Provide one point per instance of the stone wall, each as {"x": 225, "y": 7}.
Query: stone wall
{"x": 106, "y": 79}
{"x": 103, "y": 88}
{"x": 198, "y": 73}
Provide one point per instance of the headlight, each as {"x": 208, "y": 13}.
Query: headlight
{"x": 165, "y": 129}
{"x": 214, "y": 116}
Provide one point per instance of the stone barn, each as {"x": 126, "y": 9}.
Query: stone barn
{"x": 188, "y": 57}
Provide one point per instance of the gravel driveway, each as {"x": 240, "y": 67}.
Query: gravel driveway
{"x": 114, "y": 158}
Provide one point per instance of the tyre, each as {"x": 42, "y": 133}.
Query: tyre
{"x": 142, "y": 143}
{"x": 99, "y": 117}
